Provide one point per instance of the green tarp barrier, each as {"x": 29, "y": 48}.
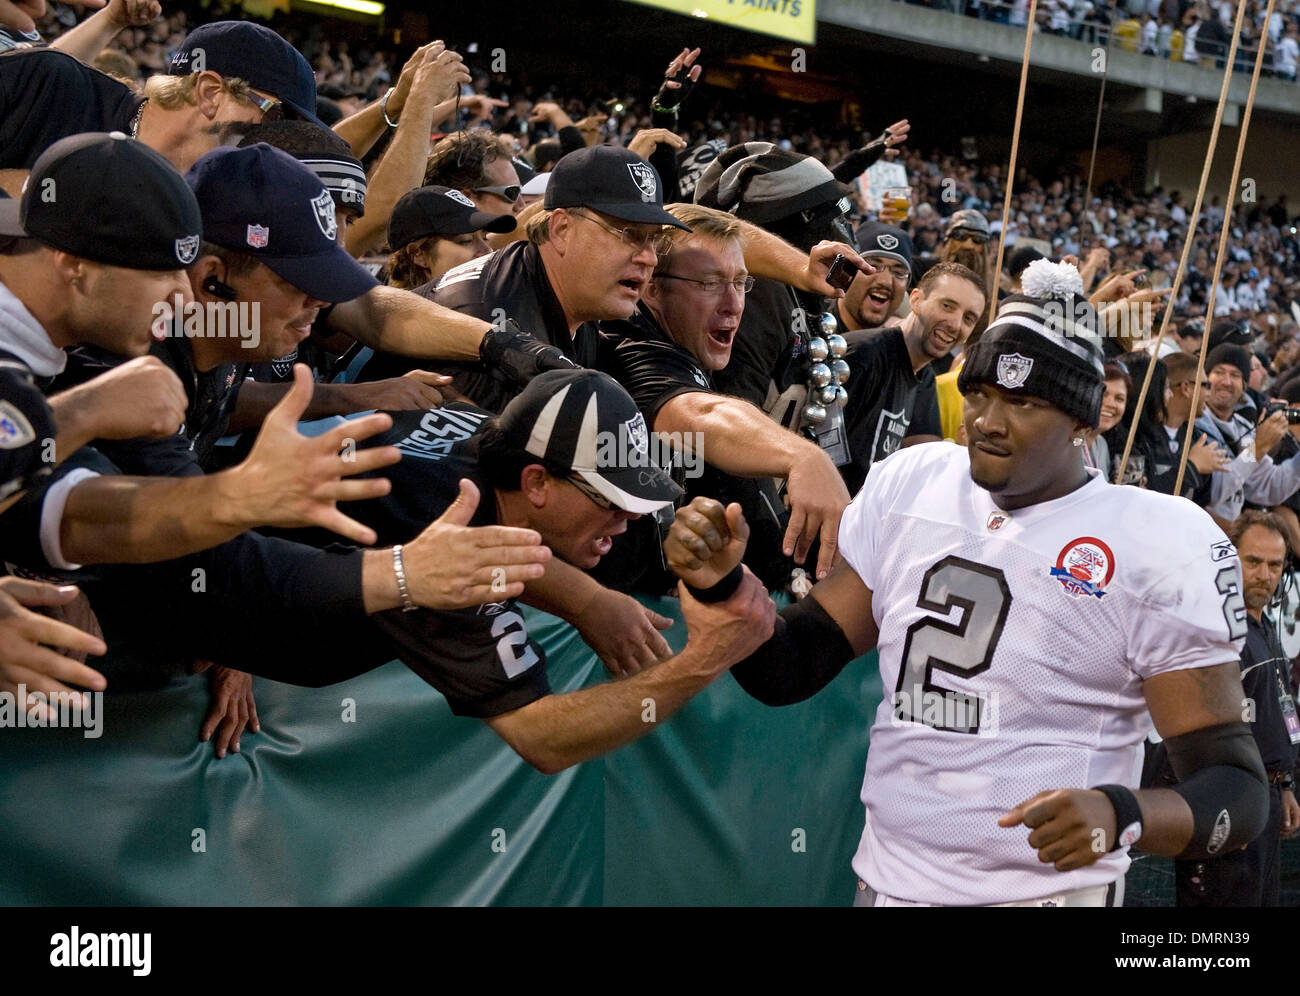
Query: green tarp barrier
{"x": 729, "y": 802}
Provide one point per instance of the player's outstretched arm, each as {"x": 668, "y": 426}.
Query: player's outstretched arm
{"x": 812, "y": 639}
{"x": 557, "y": 731}
{"x": 1219, "y": 805}
{"x": 623, "y": 633}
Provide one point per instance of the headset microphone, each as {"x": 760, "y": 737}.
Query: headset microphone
{"x": 219, "y": 288}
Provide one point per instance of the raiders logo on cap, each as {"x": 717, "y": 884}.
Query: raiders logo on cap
{"x": 187, "y": 249}
{"x": 885, "y": 241}
{"x": 459, "y": 198}
{"x": 644, "y": 175}
{"x": 1013, "y": 369}
{"x": 323, "y": 207}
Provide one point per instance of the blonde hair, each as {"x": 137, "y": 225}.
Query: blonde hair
{"x": 705, "y": 222}
{"x": 174, "y": 92}
{"x": 538, "y": 228}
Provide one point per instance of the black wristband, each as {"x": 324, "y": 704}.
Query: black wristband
{"x": 721, "y": 591}
{"x": 1128, "y": 814}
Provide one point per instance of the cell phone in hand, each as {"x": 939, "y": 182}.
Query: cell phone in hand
{"x": 841, "y": 272}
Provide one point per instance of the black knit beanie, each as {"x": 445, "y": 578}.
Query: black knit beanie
{"x": 1231, "y": 354}
{"x": 1046, "y": 347}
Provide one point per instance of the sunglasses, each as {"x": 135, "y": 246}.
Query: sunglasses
{"x": 965, "y": 234}
{"x": 599, "y": 499}
{"x": 272, "y": 109}
{"x": 508, "y": 192}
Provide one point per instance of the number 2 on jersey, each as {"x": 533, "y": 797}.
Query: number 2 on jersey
{"x": 963, "y": 647}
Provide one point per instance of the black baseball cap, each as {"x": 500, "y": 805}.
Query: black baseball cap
{"x": 434, "y": 210}
{"x": 255, "y": 54}
{"x": 584, "y": 422}
{"x": 877, "y": 239}
{"x": 612, "y": 181}
{"x": 261, "y": 201}
{"x": 108, "y": 198}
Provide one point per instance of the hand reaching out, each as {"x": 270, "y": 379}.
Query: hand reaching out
{"x": 646, "y": 140}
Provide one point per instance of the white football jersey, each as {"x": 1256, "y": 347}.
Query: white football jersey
{"x": 1013, "y": 647}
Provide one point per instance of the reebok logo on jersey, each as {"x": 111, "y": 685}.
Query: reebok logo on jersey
{"x": 1222, "y": 550}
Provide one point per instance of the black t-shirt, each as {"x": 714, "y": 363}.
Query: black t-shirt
{"x": 481, "y": 658}
{"x": 882, "y": 389}
{"x": 651, "y": 367}
{"x": 925, "y": 409}
{"x": 27, "y": 427}
{"x": 211, "y": 395}
{"x": 1264, "y": 678}
{"x": 510, "y": 283}
{"x": 46, "y": 95}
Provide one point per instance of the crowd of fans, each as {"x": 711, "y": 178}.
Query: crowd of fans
{"x": 518, "y": 286}
{"x": 1193, "y": 31}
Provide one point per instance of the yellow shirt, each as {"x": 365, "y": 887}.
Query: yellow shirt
{"x": 950, "y": 403}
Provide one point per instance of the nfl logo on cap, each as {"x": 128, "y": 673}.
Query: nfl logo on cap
{"x": 258, "y": 236}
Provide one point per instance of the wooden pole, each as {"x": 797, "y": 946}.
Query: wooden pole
{"x": 1011, "y": 168}
{"x": 1223, "y": 246}
{"x": 1187, "y": 244}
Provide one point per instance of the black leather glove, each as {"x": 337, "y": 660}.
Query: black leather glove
{"x": 518, "y": 357}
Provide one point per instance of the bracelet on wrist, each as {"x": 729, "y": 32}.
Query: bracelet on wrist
{"x": 383, "y": 107}
{"x": 721, "y": 591}
{"x": 408, "y": 604}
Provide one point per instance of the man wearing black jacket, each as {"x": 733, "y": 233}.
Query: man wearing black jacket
{"x": 587, "y": 257}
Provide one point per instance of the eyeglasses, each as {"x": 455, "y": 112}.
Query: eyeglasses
{"x": 508, "y": 192}
{"x": 896, "y": 270}
{"x": 713, "y": 288}
{"x": 634, "y": 238}
{"x": 591, "y": 493}
{"x": 271, "y": 108}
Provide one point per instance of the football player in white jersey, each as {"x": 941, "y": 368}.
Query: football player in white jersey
{"x": 1029, "y": 616}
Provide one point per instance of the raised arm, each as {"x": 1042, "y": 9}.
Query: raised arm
{"x": 439, "y": 73}
{"x": 95, "y": 33}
